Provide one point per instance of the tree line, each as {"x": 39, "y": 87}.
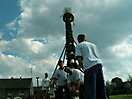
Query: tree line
{"x": 116, "y": 86}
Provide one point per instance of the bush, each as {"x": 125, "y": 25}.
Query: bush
{"x": 118, "y": 92}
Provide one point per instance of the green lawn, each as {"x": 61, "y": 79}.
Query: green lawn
{"x": 121, "y": 97}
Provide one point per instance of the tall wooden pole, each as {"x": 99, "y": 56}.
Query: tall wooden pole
{"x": 70, "y": 48}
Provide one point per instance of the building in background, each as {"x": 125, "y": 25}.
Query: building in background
{"x": 16, "y": 87}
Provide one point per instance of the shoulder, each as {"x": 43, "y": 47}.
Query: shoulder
{"x": 88, "y": 44}
{"x": 83, "y": 44}
{"x": 43, "y": 79}
{"x": 91, "y": 43}
{"x": 76, "y": 70}
{"x": 48, "y": 79}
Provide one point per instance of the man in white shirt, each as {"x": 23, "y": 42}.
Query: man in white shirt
{"x": 88, "y": 58}
{"x": 60, "y": 78}
{"x": 45, "y": 83}
{"x": 76, "y": 77}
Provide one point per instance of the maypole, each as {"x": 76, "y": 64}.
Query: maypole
{"x": 70, "y": 47}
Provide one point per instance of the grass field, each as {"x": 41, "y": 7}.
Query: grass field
{"x": 121, "y": 97}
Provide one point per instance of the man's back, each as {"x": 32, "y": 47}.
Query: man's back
{"x": 88, "y": 51}
{"x": 76, "y": 74}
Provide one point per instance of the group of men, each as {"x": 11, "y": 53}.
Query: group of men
{"x": 65, "y": 79}
{"x": 88, "y": 84}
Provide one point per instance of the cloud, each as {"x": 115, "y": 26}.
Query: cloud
{"x": 123, "y": 50}
{"x": 10, "y": 66}
{"x": 1, "y": 34}
{"x": 41, "y": 36}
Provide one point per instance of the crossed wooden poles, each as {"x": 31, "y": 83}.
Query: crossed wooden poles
{"x": 46, "y": 95}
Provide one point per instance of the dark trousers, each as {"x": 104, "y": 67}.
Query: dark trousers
{"x": 61, "y": 93}
{"x": 94, "y": 83}
{"x": 81, "y": 92}
{"x": 56, "y": 95}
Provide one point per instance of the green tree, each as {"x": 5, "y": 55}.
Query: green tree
{"x": 109, "y": 87}
{"x": 118, "y": 86}
{"x": 116, "y": 81}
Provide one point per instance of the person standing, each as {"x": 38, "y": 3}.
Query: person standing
{"x": 60, "y": 79}
{"x": 75, "y": 77}
{"x": 88, "y": 58}
{"x": 45, "y": 83}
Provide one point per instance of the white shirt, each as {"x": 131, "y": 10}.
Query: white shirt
{"x": 45, "y": 83}
{"x": 89, "y": 53}
{"x": 61, "y": 75}
{"x": 76, "y": 74}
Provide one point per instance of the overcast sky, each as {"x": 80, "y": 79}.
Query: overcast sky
{"x": 32, "y": 35}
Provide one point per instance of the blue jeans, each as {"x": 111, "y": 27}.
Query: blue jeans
{"x": 94, "y": 83}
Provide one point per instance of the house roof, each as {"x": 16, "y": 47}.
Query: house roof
{"x": 16, "y": 83}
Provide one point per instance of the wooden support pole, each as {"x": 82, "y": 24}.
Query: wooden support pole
{"x": 46, "y": 95}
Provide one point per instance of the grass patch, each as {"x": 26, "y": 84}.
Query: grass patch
{"x": 121, "y": 97}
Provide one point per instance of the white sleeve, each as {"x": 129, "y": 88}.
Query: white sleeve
{"x": 77, "y": 75}
{"x": 68, "y": 79}
{"x": 78, "y": 51}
